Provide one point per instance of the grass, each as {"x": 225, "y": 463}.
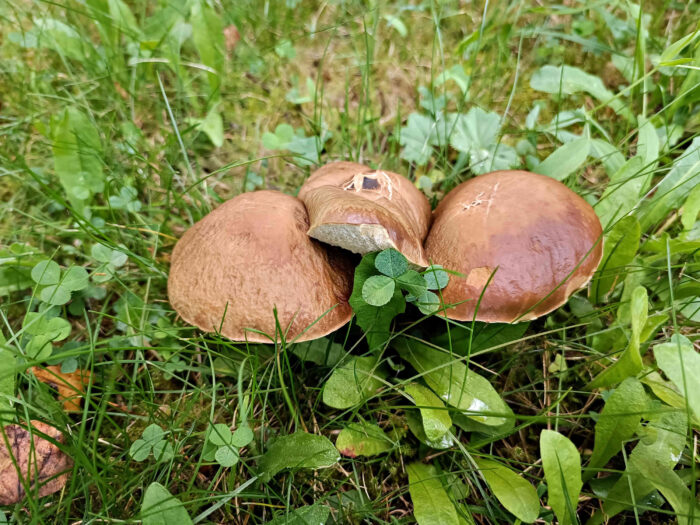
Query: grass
{"x": 143, "y": 84}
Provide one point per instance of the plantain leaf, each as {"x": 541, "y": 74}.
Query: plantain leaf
{"x": 295, "y": 451}
{"x": 362, "y": 439}
{"x": 436, "y": 418}
{"x": 454, "y": 383}
{"x": 431, "y": 503}
{"x": 562, "y": 470}
{"x": 514, "y": 492}
{"x": 617, "y": 422}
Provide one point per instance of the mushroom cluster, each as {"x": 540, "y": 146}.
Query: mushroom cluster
{"x": 266, "y": 266}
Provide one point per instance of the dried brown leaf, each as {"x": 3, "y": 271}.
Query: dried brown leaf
{"x": 29, "y": 460}
{"x": 71, "y": 387}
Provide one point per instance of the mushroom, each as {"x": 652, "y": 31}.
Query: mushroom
{"x": 40, "y": 463}
{"x": 365, "y": 210}
{"x": 250, "y": 256}
{"x": 525, "y": 240}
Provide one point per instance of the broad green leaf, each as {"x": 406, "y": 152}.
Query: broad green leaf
{"x": 159, "y": 507}
{"x": 619, "y": 249}
{"x": 673, "y": 188}
{"x": 630, "y": 362}
{"x": 46, "y": 272}
{"x": 681, "y": 363}
{"x": 39, "y": 348}
{"x": 568, "y": 80}
{"x": 485, "y": 336}
{"x": 514, "y": 492}
{"x": 309, "y": 515}
{"x": 283, "y": 135}
{"x": 415, "y": 425}
{"x": 378, "y": 290}
{"x": 435, "y": 277}
{"x": 431, "y": 503}
{"x": 77, "y": 153}
{"x": 562, "y": 471}
{"x": 374, "y": 321}
{"x": 362, "y": 439}
{"x": 226, "y": 456}
{"x": 417, "y": 139}
{"x": 671, "y": 486}
{"x": 56, "y": 328}
{"x": 75, "y": 278}
{"x": 208, "y": 37}
{"x": 624, "y": 191}
{"x": 691, "y": 208}
{"x": 565, "y": 160}
{"x": 413, "y": 282}
{"x": 55, "y": 295}
{"x": 60, "y": 37}
{"x": 436, "y": 418}
{"x": 647, "y": 149}
{"x": 663, "y": 440}
{"x": 454, "y": 383}
{"x": 163, "y": 451}
{"x": 609, "y": 155}
{"x": 153, "y": 433}
{"x": 295, "y": 451}
{"x": 391, "y": 263}
{"x": 122, "y": 19}
{"x": 242, "y": 437}
{"x": 213, "y": 126}
{"x": 221, "y": 435}
{"x": 428, "y": 303}
{"x": 617, "y": 422}
{"x": 353, "y": 382}
{"x": 8, "y": 362}
{"x": 321, "y": 351}
{"x": 476, "y": 134}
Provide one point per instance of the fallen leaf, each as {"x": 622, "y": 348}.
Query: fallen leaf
{"x": 28, "y": 460}
{"x": 231, "y": 37}
{"x": 71, "y": 387}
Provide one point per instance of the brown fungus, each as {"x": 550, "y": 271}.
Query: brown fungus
{"x": 364, "y": 210}
{"x": 532, "y": 239}
{"x": 250, "y": 256}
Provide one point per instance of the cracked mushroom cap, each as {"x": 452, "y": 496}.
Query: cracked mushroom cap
{"x": 251, "y": 255}
{"x": 41, "y": 464}
{"x": 365, "y": 210}
{"x": 539, "y": 240}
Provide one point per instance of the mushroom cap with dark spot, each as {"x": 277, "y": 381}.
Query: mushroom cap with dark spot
{"x": 251, "y": 255}
{"x": 363, "y": 210}
{"x": 535, "y": 239}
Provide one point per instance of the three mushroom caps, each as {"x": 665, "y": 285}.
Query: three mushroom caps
{"x": 266, "y": 266}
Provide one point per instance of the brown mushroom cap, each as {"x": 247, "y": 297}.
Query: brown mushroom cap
{"x": 39, "y": 461}
{"x": 250, "y": 255}
{"x": 365, "y": 210}
{"x": 540, "y": 238}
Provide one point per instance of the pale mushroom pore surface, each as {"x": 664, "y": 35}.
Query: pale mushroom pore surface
{"x": 534, "y": 238}
{"x": 365, "y": 210}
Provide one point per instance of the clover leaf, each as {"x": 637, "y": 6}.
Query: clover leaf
{"x": 58, "y": 285}
{"x": 152, "y": 441}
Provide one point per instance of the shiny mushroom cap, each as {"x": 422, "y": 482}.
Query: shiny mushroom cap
{"x": 365, "y": 210}
{"x": 535, "y": 239}
{"x": 251, "y": 255}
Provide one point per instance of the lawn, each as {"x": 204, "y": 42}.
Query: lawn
{"x": 124, "y": 122}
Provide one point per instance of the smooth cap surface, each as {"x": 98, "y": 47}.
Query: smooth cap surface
{"x": 251, "y": 255}
{"x": 539, "y": 240}
{"x": 365, "y": 210}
